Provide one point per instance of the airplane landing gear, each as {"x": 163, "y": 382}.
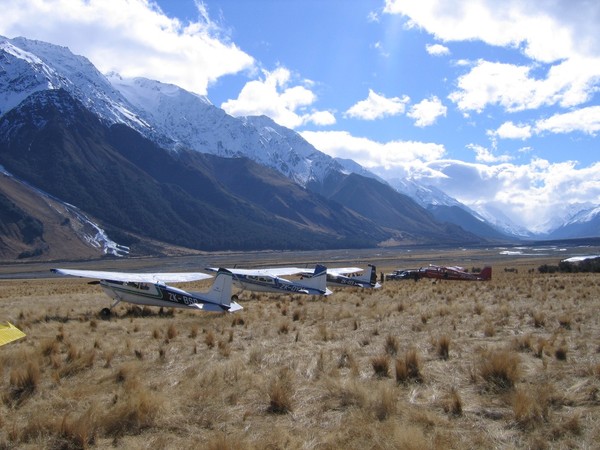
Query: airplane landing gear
{"x": 105, "y": 313}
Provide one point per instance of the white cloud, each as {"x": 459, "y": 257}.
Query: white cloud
{"x": 484, "y": 155}
{"x": 321, "y": 118}
{"x": 427, "y": 111}
{"x": 273, "y": 97}
{"x": 373, "y": 154}
{"x": 531, "y": 194}
{"x": 437, "y": 49}
{"x": 509, "y": 130}
{"x": 561, "y": 34}
{"x": 545, "y": 31}
{"x": 376, "y": 106}
{"x": 586, "y": 120}
{"x": 567, "y": 84}
{"x": 133, "y": 38}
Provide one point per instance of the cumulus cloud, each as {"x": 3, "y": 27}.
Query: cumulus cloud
{"x": 376, "y": 106}
{"x": 134, "y": 38}
{"x": 530, "y": 194}
{"x": 509, "y": 130}
{"x": 274, "y": 97}
{"x": 586, "y": 120}
{"x": 514, "y": 88}
{"x": 427, "y": 111}
{"x": 560, "y": 34}
{"x": 437, "y": 49}
{"x": 373, "y": 154}
{"x": 484, "y": 155}
{"x": 545, "y": 31}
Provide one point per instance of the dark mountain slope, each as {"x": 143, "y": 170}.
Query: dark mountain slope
{"x": 457, "y": 215}
{"x": 128, "y": 182}
{"x": 388, "y": 208}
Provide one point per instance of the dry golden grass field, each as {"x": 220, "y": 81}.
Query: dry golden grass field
{"x": 509, "y": 363}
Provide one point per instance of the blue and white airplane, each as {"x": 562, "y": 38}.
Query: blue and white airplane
{"x": 269, "y": 280}
{"x": 150, "y": 289}
{"x": 353, "y": 277}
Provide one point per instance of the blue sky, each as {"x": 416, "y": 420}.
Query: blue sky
{"x": 496, "y": 103}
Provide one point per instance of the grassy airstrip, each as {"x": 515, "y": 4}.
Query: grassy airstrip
{"x": 510, "y": 363}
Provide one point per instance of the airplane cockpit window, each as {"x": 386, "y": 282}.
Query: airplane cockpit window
{"x": 137, "y": 285}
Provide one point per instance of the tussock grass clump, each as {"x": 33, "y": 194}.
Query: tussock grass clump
{"x": 529, "y": 409}
{"x": 284, "y": 328}
{"x": 77, "y": 433}
{"x": 408, "y": 369}
{"x": 127, "y": 373}
{"x": 565, "y": 321}
{"x": 539, "y": 320}
{"x": 280, "y": 396}
{"x": 209, "y": 339}
{"x": 522, "y": 343}
{"x": 223, "y": 442}
{"x": 133, "y": 412}
{"x": 570, "y": 426}
{"x": 443, "y": 347}
{"x": 452, "y": 403}
{"x": 489, "y": 330}
{"x": 24, "y": 382}
{"x": 345, "y": 395}
{"x": 77, "y": 362}
{"x": 381, "y": 366}
{"x": 499, "y": 369}
{"x": 391, "y": 345}
{"x": 561, "y": 352}
{"x": 172, "y": 331}
{"x": 384, "y": 405}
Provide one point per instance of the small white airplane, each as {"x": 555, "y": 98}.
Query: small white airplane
{"x": 269, "y": 280}
{"x": 150, "y": 289}
{"x": 346, "y": 277}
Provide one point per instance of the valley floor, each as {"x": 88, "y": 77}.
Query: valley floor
{"x": 509, "y": 363}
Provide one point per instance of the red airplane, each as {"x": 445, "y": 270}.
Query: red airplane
{"x": 455, "y": 273}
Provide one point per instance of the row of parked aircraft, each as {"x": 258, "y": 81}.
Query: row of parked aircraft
{"x": 152, "y": 289}
{"x": 441, "y": 273}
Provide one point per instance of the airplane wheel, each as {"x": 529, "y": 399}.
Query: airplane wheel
{"x": 105, "y": 313}
{"x": 234, "y": 298}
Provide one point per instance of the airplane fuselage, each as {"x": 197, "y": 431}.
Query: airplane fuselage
{"x": 264, "y": 283}
{"x": 343, "y": 281}
{"x": 154, "y": 294}
{"x": 447, "y": 273}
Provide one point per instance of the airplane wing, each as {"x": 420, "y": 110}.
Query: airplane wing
{"x": 272, "y": 271}
{"x": 165, "y": 277}
{"x": 343, "y": 270}
{"x": 9, "y": 333}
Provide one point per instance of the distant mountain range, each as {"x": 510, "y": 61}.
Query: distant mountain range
{"x": 154, "y": 168}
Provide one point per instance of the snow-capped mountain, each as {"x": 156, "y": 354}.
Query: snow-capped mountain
{"x": 583, "y": 223}
{"x": 423, "y": 195}
{"x": 177, "y": 119}
{"x": 192, "y": 122}
{"x": 30, "y": 66}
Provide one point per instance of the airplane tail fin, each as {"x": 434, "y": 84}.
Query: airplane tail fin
{"x": 318, "y": 280}
{"x": 219, "y": 294}
{"x": 370, "y": 276}
{"x": 486, "y": 273}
